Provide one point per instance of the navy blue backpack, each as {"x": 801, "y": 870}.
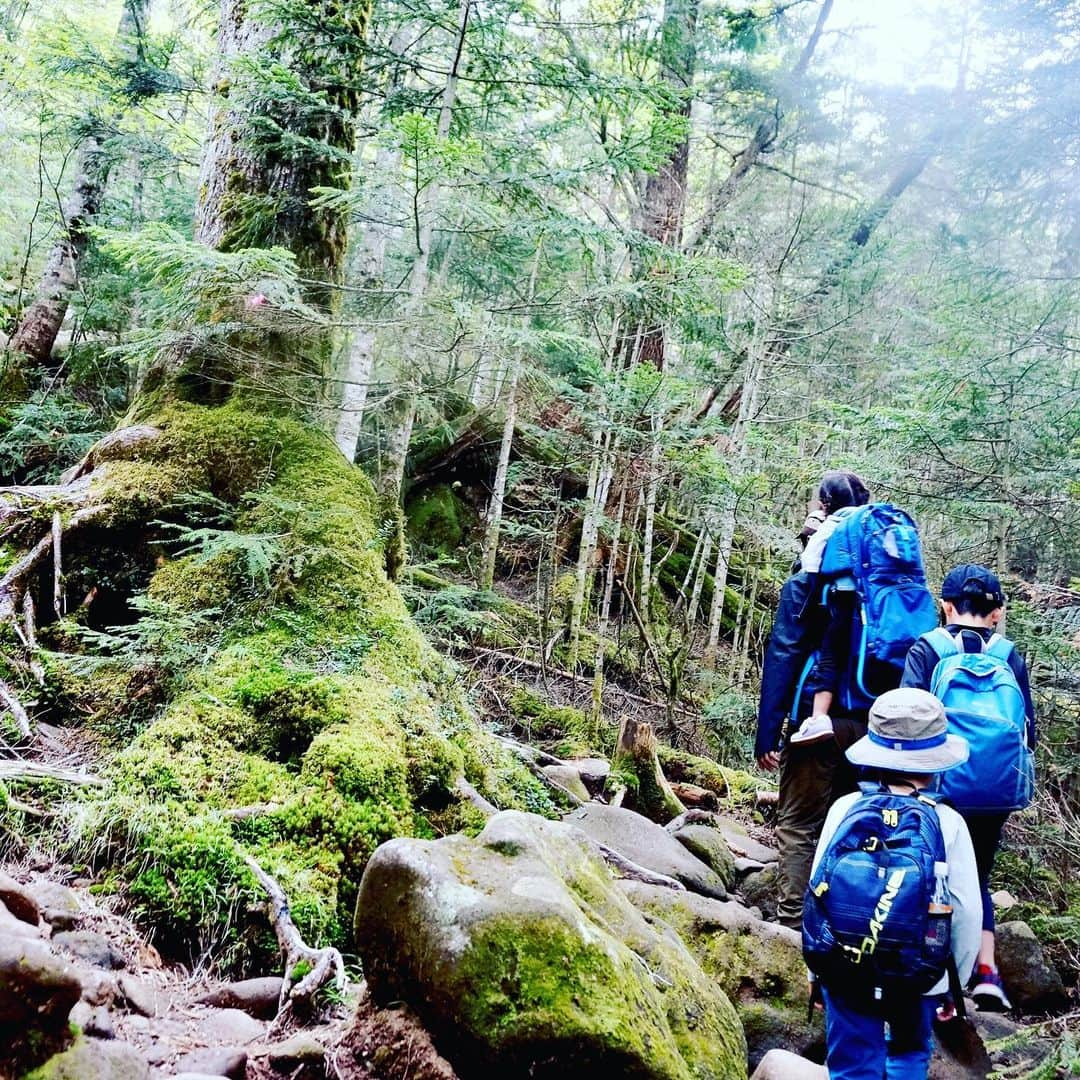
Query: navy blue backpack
{"x": 984, "y": 703}
{"x": 868, "y": 929}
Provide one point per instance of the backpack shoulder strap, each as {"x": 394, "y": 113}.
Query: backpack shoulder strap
{"x": 942, "y": 642}
{"x": 999, "y": 647}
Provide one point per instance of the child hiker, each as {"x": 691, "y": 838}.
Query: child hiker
{"x": 893, "y": 899}
{"x": 983, "y": 682}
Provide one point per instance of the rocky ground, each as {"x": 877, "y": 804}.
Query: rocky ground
{"x": 519, "y": 950}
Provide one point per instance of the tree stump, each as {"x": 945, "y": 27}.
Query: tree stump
{"x": 636, "y": 766}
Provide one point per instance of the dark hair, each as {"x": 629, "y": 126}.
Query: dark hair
{"x": 891, "y": 776}
{"x": 979, "y": 605}
{"x": 839, "y": 489}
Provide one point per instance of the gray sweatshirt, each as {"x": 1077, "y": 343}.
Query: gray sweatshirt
{"x": 963, "y": 883}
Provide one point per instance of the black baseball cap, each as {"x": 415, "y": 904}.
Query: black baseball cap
{"x": 972, "y": 580}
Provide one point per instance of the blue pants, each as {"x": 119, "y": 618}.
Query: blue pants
{"x": 857, "y": 1049}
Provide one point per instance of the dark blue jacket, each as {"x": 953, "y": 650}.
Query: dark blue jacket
{"x": 796, "y": 632}
{"x": 922, "y": 659}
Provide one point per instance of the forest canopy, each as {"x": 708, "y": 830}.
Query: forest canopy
{"x": 386, "y": 386}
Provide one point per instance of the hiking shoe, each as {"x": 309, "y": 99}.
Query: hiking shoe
{"x": 946, "y": 1009}
{"x": 988, "y": 991}
{"x": 816, "y": 729}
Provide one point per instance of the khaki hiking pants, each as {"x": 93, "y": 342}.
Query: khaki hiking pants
{"x": 812, "y": 778}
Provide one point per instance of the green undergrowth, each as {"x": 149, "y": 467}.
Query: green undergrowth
{"x": 568, "y": 731}
{"x": 308, "y": 695}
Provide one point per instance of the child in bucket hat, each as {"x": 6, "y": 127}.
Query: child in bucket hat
{"x": 907, "y": 735}
{"x": 906, "y": 745}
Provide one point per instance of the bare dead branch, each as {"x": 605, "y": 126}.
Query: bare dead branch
{"x": 14, "y": 706}
{"x": 57, "y": 532}
{"x": 324, "y": 964}
{"x": 243, "y": 813}
{"x": 470, "y": 794}
{"x": 32, "y": 772}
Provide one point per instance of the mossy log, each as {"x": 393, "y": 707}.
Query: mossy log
{"x": 636, "y": 767}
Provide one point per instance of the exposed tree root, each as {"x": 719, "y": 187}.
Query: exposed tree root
{"x": 18, "y": 504}
{"x": 630, "y": 869}
{"x": 110, "y": 446}
{"x": 31, "y": 772}
{"x": 15, "y": 707}
{"x": 691, "y": 817}
{"x": 471, "y": 795}
{"x": 529, "y": 759}
{"x": 322, "y": 964}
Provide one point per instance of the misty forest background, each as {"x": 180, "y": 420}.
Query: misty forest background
{"x": 593, "y": 292}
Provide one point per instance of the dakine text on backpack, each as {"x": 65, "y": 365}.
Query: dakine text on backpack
{"x": 877, "y": 917}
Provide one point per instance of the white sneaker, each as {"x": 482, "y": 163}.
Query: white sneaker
{"x": 815, "y": 729}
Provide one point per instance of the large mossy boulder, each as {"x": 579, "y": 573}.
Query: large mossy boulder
{"x": 523, "y": 957}
{"x": 708, "y": 845}
{"x": 757, "y": 964}
{"x": 1032, "y": 982}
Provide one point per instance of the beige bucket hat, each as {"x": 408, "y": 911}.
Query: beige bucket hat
{"x": 907, "y": 733}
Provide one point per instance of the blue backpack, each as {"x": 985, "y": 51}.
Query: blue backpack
{"x": 984, "y": 704}
{"x": 868, "y": 929}
{"x": 875, "y": 549}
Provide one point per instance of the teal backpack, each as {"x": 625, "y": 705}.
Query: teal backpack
{"x": 985, "y": 705}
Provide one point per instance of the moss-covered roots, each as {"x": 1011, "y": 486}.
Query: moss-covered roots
{"x": 286, "y": 675}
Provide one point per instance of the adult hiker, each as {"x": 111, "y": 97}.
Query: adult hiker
{"x": 893, "y": 911}
{"x": 982, "y": 680}
{"x": 806, "y": 773}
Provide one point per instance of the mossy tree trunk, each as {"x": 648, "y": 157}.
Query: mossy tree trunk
{"x": 272, "y": 143}
{"x": 307, "y": 720}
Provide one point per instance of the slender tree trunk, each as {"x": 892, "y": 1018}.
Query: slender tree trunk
{"x": 605, "y": 611}
{"x": 688, "y": 577}
{"x": 652, "y": 486}
{"x": 664, "y": 202}
{"x": 605, "y": 451}
{"x": 724, "y": 538}
{"x": 370, "y": 266}
{"x": 498, "y": 491}
{"x": 37, "y": 331}
{"x": 699, "y": 582}
{"x": 391, "y": 467}
{"x": 744, "y": 658}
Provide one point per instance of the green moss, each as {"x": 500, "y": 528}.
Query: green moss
{"x": 316, "y": 695}
{"x": 438, "y": 521}
{"x": 761, "y": 973}
{"x": 528, "y": 985}
{"x": 571, "y": 732}
{"x": 738, "y": 788}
